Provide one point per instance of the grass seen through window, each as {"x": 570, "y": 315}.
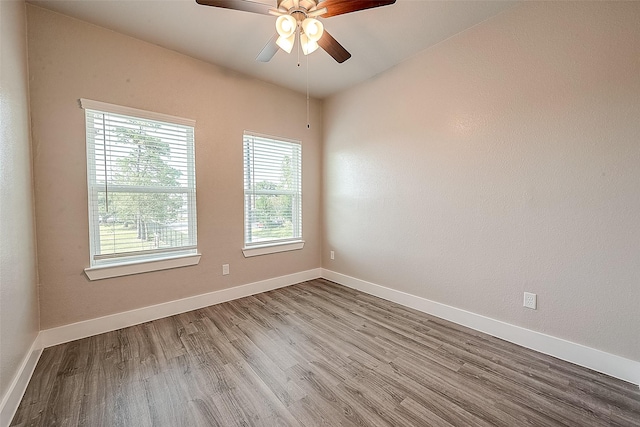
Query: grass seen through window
{"x": 121, "y": 238}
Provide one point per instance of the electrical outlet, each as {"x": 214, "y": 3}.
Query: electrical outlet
{"x": 333, "y": 255}
{"x": 530, "y": 300}
{"x": 225, "y": 269}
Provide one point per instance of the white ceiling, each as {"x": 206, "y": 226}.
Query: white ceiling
{"x": 378, "y": 38}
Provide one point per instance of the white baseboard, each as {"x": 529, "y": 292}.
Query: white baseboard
{"x": 74, "y": 331}
{"x": 12, "y": 398}
{"x": 606, "y": 363}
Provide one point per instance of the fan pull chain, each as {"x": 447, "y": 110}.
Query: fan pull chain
{"x": 308, "y": 124}
{"x": 299, "y": 43}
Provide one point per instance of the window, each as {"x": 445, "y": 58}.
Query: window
{"x": 272, "y": 194}
{"x": 142, "y": 189}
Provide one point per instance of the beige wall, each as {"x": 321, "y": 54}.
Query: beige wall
{"x": 505, "y": 159}
{"x": 502, "y": 160}
{"x": 18, "y": 275}
{"x": 70, "y": 59}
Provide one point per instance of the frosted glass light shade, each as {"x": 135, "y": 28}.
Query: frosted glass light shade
{"x": 313, "y": 29}
{"x": 286, "y": 25}
{"x": 286, "y": 43}
{"x": 308, "y": 45}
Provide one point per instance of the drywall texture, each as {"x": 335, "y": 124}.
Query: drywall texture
{"x": 18, "y": 274}
{"x": 505, "y": 159}
{"x": 70, "y": 59}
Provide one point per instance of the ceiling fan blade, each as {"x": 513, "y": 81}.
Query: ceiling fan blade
{"x": 317, "y": 12}
{"x": 243, "y": 5}
{"x": 333, "y": 48}
{"x": 340, "y": 7}
{"x": 269, "y": 50}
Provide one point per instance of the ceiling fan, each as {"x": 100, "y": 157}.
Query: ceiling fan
{"x": 297, "y": 19}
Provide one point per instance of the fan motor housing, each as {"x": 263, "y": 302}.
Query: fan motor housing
{"x": 300, "y": 11}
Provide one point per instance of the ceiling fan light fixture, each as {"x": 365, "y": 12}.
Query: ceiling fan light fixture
{"x": 286, "y": 43}
{"x": 308, "y": 45}
{"x": 313, "y": 29}
{"x": 297, "y": 17}
{"x": 286, "y": 26}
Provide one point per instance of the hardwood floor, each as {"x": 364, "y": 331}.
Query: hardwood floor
{"x": 314, "y": 354}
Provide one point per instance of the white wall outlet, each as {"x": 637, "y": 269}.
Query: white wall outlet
{"x": 332, "y": 255}
{"x": 530, "y": 300}
{"x": 225, "y": 269}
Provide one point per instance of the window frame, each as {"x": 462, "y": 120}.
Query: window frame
{"x": 295, "y": 242}
{"x": 136, "y": 262}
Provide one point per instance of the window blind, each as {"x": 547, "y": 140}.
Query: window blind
{"x": 272, "y": 190}
{"x": 141, "y": 181}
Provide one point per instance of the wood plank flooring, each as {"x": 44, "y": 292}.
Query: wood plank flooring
{"x": 314, "y": 354}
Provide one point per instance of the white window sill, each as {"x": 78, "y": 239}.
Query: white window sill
{"x": 272, "y": 248}
{"x": 126, "y": 269}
